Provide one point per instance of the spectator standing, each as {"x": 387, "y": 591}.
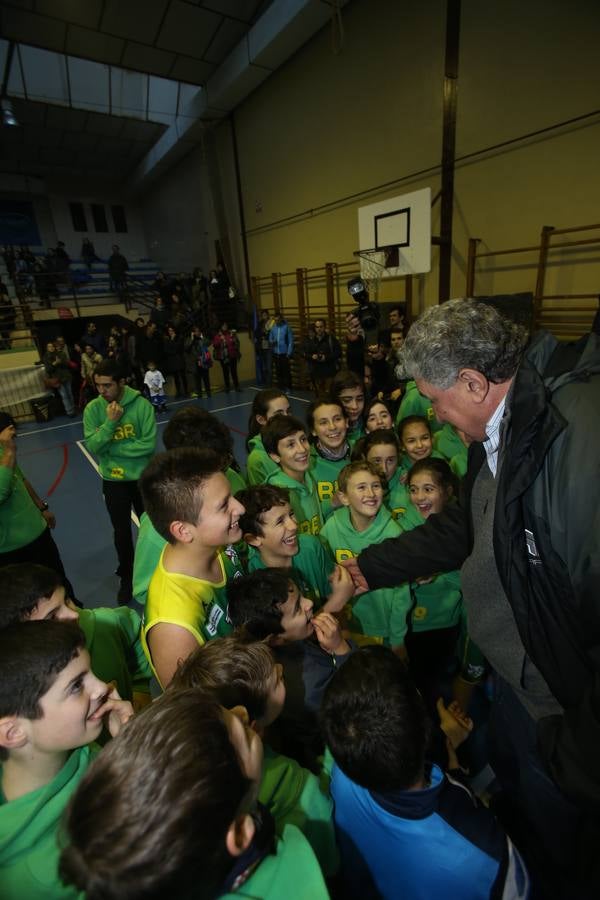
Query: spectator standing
{"x": 227, "y": 351}
{"x": 117, "y": 269}
{"x": 323, "y": 353}
{"x": 264, "y": 354}
{"x": 150, "y": 346}
{"x": 355, "y": 345}
{"x": 155, "y": 381}
{"x": 160, "y": 314}
{"x": 88, "y": 253}
{"x": 92, "y": 336}
{"x": 175, "y": 361}
{"x": 281, "y": 340}
{"x": 57, "y": 367}
{"x": 119, "y": 427}
{"x": 197, "y": 345}
{"x": 62, "y": 261}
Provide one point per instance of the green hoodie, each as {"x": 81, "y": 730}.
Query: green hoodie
{"x": 293, "y": 797}
{"x": 124, "y": 447}
{"x": 292, "y": 873}
{"x": 303, "y": 500}
{"x": 21, "y": 522}
{"x": 383, "y": 612}
{"x": 415, "y": 404}
{"x": 325, "y": 473}
{"x": 29, "y": 850}
{"x": 313, "y": 562}
{"x": 259, "y": 464}
{"x": 113, "y": 639}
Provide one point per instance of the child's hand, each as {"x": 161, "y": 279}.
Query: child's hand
{"x": 360, "y": 582}
{"x": 329, "y": 634}
{"x": 342, "y": 589}
{"x": 455, "y": 724}
{"x": 118, "y": 712}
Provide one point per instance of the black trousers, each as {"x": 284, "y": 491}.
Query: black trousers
{"x": 181, "y": 385}
{"x": 120, "y": 496}
{"x": 230, "y": 368}
{"x": 44, "y": 552}
{"x": 283, "y": 371}
{"x": 202, "y": 377}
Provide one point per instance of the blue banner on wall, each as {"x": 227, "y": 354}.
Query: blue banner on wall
{"x": 18, "y": 224}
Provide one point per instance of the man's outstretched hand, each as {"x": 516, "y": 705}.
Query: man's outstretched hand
{"x": 360, "y": 582}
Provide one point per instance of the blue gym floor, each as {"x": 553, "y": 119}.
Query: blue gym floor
{"x": 55, "y": 459}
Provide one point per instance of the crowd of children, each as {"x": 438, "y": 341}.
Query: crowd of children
{"x": 305, "y": 741}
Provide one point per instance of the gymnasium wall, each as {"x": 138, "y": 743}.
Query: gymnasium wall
{"x": 330, "y": 125}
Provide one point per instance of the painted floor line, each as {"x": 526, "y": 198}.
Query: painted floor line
{"x": 94, "y": 464}
{"x": 61, "y": 472}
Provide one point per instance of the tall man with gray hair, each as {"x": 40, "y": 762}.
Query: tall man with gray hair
{"x": 526, "y": 536}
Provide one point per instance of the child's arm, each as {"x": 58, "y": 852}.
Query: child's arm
{"x": 168, "y": 645}
{"x": 457, "y": 727}
{"x": 342, "y": 590}
{"x": 329, "y": 635}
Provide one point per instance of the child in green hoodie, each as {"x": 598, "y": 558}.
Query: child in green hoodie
{"x": 212, "y": 841}
{"x": 266, "y": 404}
{"x": 237, "y": 673}
{"x": 362, "y": 521}
{"x": 31, "y": 593}
{"x": 119, "y": 427}
{"x": 52, "y": 709}
{"x": 286, "y": 441}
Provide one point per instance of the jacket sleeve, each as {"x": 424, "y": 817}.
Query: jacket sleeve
{"x": 441, "y": 544}
{"x": 290, "y": 342}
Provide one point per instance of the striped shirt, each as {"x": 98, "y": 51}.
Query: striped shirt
{"x": 492, "y": 441}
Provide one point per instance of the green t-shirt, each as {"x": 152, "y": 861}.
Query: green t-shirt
{"x": 381, "y": 613}
{"x": 292, "y": 872}
{"x": 325, "y": 475}
{"x": 21, "y": 522}
{"x": 29, "y": 850}
{"x": 113, "y": 639}
{"x": 259, "y": 464}
{"x": 293, "y": 797}
{"x": 355, "y": 433}
{"x": 303, "y": 500}
{"x": 415, "y": 404}
{"x": 437, "y": 604}
{"x": 313, "y": 562}
{"x": 149, "y": 545}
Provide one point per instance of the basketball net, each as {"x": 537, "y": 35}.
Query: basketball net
{"x": 373, "y": 264}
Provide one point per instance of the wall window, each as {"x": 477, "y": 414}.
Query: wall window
{"x": 119, "y": 220}
{"x": 78, "y": 217}
{"x": 99, "y": 216}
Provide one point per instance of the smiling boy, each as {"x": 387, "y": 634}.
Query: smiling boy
{"x": 286, "y": 441}
{"x": 52, "y": 707}
{"x": 362, "y": 521}
{"x": 189, "y": 501}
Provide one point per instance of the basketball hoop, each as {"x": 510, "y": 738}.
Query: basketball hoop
{"x": 373, "y": 265}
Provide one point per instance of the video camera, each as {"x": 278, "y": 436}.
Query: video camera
{"x": 368, "y": 311}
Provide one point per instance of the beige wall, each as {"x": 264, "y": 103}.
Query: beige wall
{"x": 326, "y": 126}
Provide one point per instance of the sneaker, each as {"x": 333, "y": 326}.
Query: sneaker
{"x": 194, "y": 395}
{"x": 124, "y": 595}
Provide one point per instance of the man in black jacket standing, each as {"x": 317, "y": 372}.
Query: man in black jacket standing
{"x": 323, "y": 354}
{"x": 527, "y": 539}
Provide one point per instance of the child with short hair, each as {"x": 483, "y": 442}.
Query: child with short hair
{"x": 155, "y": 382}
{"x": 136, "y": 829}
{"x": 405, "y": 828}
{"x": 191, "y": 426}
{"x": 266, "y": 404}
{"x": 382, "y": 449}
{"x": 52, "y": 709}
{"x": 189, "y": 502}
{"x": 236, "y": 673}
{"x": 286, "y": 441}
{"x": 348, "y": 388}
{"x": 31, "y": 593}
{"x": 270, "y": 529}
{"x": 269, "y": 605}
{"x": 329, "y": 451}
{"x": 362, "y": 521}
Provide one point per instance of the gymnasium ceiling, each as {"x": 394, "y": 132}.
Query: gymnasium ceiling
{"x": 121, "y": 89}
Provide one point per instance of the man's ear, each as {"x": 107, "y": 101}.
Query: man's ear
{"x": 181, "y": 531}
{"x": 476, "y": 384}
{"x": 239, "y": 835}
{"x": 12, "y": 733}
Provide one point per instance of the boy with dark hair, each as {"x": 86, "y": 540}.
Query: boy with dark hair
{"x": 403, "y": 826}
{"x": 137, "y": 830}
{"x": 270, "y": 529}
{"x": 286, "y": 441}
{"x": 52, "y": 708}
{"x": 30, "y": 593}
{"x": 191, "y": 426}
{"x": 119, "y": 427}
{"x": 236, "y": 673}
{"x": 269, "y": 605}
{"x": 189, "y": 501}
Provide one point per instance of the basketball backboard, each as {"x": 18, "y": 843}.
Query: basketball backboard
{"x": 395, "y": 235}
